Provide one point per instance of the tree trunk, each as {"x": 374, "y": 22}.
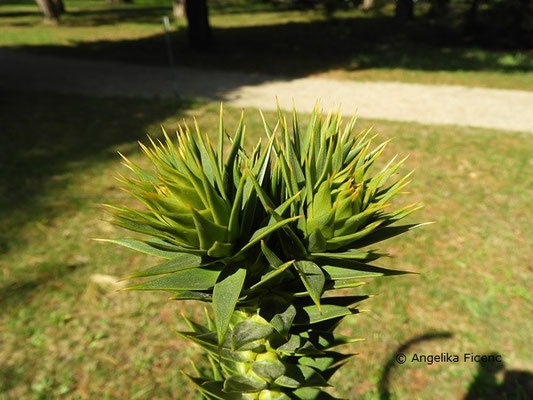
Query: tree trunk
{"x": 523, "y": 24}
{"x": 178, "y": 8}
{"x": 404, "y": 10}
{"x": 439, "y": 8}
{"x": 329, "y": 8}
{"x": 368, "y": 4}
{"x": 59, "y": 6}
{"x": 50, "y": 11}
{"x": 471, "y": 17}
{"x": 200, "y": 35}
{"x": 524, "y": 14}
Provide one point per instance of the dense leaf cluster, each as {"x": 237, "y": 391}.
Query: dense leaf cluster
{"x": 267, "y": 237}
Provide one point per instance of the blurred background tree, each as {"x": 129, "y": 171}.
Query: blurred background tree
{"x": 199, "y": 30}
{"x": 490, "y": 21}
{"x": 51, "y": 10}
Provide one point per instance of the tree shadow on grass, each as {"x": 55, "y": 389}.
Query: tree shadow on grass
{"x": 15, "y": 14}
{"x": 111, "y": 16}
{"x": 49, "y": 138}
{"x": 90, "y": 17}
{"x": 16, "y": 291}
{"x": 516, "y": 385}
{"x": 302, "y": 48}
{"x": 384, "y": 382}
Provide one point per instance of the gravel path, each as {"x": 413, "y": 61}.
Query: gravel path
{"x": 510, "y": 110}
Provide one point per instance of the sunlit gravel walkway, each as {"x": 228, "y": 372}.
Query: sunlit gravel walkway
{"x": 488, "y": 108}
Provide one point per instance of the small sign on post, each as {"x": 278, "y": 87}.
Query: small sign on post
{"x": 166, "y": 25}
{"x": 170, "y": 54}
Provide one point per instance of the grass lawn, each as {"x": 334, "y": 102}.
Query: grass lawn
{"x": 65, "y": 337}
{"x": 259, "y": 37}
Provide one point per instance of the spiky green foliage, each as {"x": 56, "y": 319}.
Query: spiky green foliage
{"x": 267, "y": 238}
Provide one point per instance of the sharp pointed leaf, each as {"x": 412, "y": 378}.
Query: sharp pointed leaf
{"x": 200, "y": 278}
{"x": 249, "y": 331}
{"x": 141, "y": 247}
{"x": 225, "y": 295}
{"x": 180, "y": 262}
{"x": 312, "y": 278}
{"x": 312, "y": 315}
{"x": 243, "y": 384}
{"x": 269, "y": 370}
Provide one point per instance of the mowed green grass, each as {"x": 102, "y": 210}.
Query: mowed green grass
{"x": 259, "y": 37}
{"x": 63, "y": 336}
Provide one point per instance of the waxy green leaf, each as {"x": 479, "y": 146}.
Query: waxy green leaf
{"x": 282, "y": 320}
{"x": 312, "y": 278}
{"x": 269, "y": 370}
{"x": 180, "y": 262}
{"x": 200, "y": 278}
{"x": 225, "y": 295}
{"x": 243, "y": 384}
{"x": 213, "y": 389}
{"x": 312, "y": 314}
{"x": 142, "y": 247}
{"x": 300, "y": 376}
{"x": 248, "y": 331}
